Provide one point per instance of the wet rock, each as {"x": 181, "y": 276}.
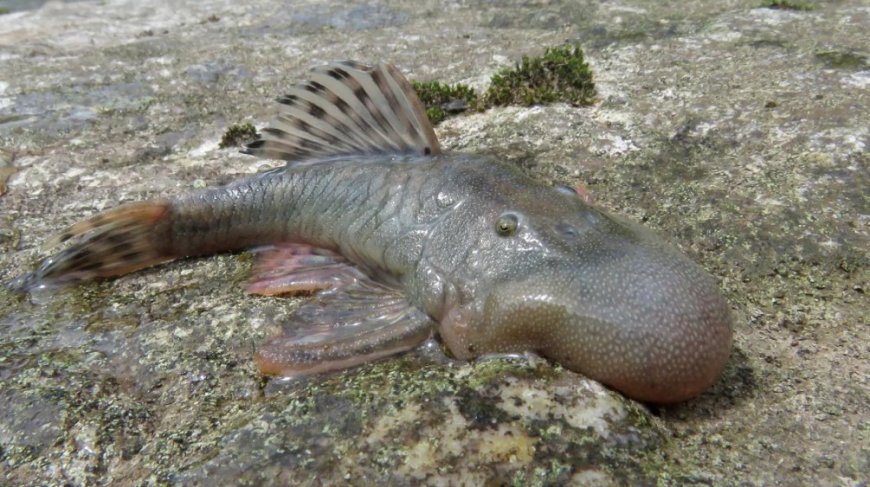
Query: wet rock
{"x": 148, "y": 378}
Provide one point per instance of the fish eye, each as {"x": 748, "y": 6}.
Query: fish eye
{"x": 567, "y": 230}
{"x": 565, "y": 189}
{"x": 506, "y": 225}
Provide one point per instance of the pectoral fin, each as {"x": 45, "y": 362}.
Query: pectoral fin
{"x": 293, "y": 269}
{"x": 344, "y": 327}
{"x": 351, "y": 320}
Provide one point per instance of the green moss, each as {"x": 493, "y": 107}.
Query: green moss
{"x": 4, "y": 10}
{"x": 238, "y": 134}
{"x": 560, "y": 75}
{"x": 788, "y": 5}
{"x": 843, "y": 60}
{"x": 443, "y": 100}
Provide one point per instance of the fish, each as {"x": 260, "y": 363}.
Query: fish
{"x": 397, "y": 241}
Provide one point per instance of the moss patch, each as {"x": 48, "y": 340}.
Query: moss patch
{"x": 442, "y": 100}
{"x": 560, "y": 75}
{"x": 238, "y": 134}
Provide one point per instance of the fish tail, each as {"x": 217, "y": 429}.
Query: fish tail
{"x": 112, "y": 243}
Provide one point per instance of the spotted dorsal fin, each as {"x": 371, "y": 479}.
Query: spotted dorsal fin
{"x": 348, "y": 108}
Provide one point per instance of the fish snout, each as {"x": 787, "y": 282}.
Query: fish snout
{"x": 650, "y": 324}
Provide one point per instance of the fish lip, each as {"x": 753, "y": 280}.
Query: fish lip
{"x": 674, "y": 357}
{"x": 670, "y": 345}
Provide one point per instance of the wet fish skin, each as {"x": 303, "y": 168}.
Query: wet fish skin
{"x": 594, "y": 292}
{"x": 416, "y": 240}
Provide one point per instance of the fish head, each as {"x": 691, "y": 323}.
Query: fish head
{"x": 596, "y": 293}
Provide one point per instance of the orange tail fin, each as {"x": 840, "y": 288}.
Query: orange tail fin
{"x": 113, "y": 243}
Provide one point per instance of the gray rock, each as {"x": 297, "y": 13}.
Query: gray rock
{"x": 740, "y": 133}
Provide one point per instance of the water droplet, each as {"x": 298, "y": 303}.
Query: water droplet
{"x": 444, "y": 199}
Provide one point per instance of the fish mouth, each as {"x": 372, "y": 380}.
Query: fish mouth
{"x": 653, "y": 325}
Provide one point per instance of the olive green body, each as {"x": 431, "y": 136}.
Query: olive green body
{"x": 502, "y": 263}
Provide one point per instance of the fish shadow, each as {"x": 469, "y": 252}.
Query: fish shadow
{"x": 738, "y": 383}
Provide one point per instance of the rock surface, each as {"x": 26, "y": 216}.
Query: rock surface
{"x": 738, "y": 132}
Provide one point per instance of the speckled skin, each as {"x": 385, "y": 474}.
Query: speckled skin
{"x": 598, "y": 294}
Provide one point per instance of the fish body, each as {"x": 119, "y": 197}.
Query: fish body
{"x": 398, "y": 240}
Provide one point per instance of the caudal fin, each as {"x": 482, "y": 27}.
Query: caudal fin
{"x": 115, "y": 242}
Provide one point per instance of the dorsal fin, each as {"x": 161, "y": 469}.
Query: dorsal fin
{"x": 348, "y": 108}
